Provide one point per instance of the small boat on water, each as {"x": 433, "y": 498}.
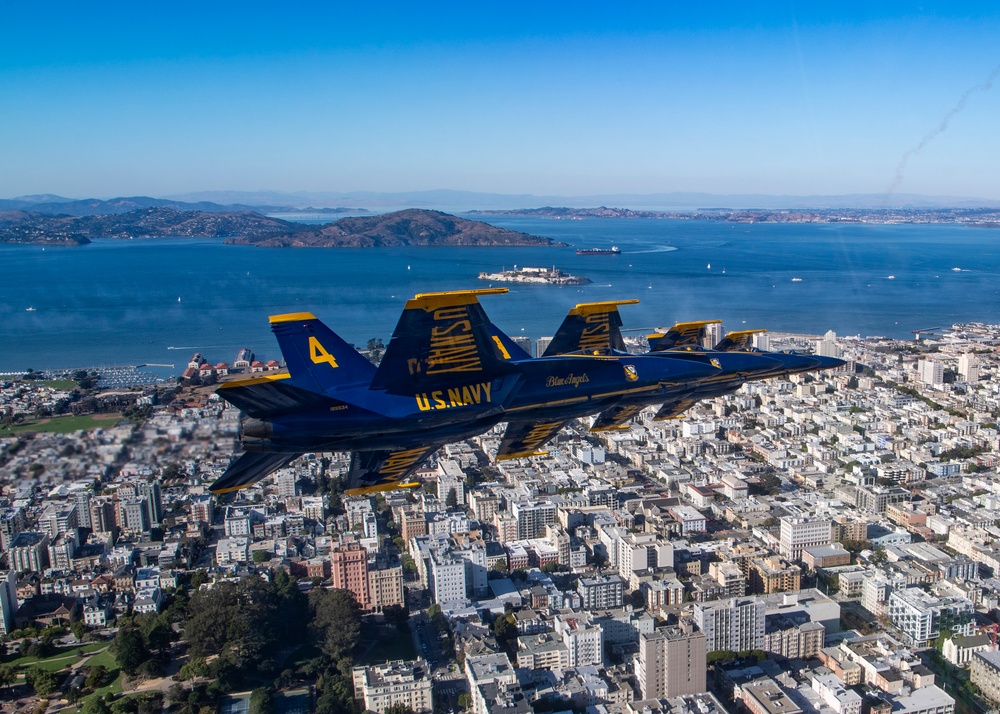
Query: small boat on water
{"x": 613, "y": 250}
{"x": 796, "y": 280}
{"x": 29, "y": 309}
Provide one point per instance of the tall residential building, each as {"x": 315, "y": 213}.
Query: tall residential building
{"x": 985, "y": 674}
{"x": 671, "y": 663}
{"x": 712, "y": 335}
{"x": 12, "y": 522}
{"x": 774, "y": 575}
{"x": 8, "y": 601}
{"x": 349, "y": 571}
{"x": 827, "y": 345}
{"x": 395, "y": 684}
{"x": 921, "y": 617}
{"x": 450, "y": 478}
{"x": 152, "y": 495}
{"x": 532, "y": 517}
{"x": 385, "y": 587}
{"x": 29, "y": 551}
{"x": 804, "y": 532}
{"x": 736, "y": 624}
{"x": 930, "y": 372}
{"x": 133, "y": 515}
{"x": 968, "y": 367}
{"x": 601, "y": 592}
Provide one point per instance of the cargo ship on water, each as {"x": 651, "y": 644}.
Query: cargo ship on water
{"x": 535, "y": 276}
{"x": 613, "y": 250}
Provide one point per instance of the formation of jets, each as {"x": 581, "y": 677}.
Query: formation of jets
{"x": 449, "y": 373}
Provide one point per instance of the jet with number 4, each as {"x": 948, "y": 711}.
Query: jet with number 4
{"x": 447, "y": 374}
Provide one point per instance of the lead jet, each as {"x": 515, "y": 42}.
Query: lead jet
{"x": 447, "y": 375}
{"x": 596, "y": 327}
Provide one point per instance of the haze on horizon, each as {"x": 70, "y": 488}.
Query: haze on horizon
{"x": 550, "y": 99}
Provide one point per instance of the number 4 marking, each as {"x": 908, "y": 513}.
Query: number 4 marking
{"x": 319, "y": 355}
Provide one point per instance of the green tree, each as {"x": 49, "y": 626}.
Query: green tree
{"x": 261, "y": 556}
{"x": 451, "y": 500}
{"x": 464, "y": 700}
{"x": 260, "y": 701}
{"x": 94, "y": 705}
{"x": 42, "y": 681}
{"x": 8, "y": 674}
{"x": 878, "y": 556}
{"x": 129, "y": 649}
{"x": 97, "y": 677}
{"x": 79, "y": 629}
{"x": 336, "y": 621}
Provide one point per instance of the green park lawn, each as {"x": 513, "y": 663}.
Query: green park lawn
{"x": 64, "y": 424}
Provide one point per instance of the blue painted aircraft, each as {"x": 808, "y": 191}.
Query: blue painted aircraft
{"x": 447, "y": 374}
{"x": 596, "y": 327}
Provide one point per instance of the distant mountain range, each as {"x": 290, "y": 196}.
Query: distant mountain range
{"x": 333, "y": 203}
{"x": 461, "y": 201}
{"x": 51, "y": 205}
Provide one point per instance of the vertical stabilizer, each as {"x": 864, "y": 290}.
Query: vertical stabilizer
{"x": 317, "y": 358}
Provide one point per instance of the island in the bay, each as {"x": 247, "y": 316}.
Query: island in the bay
{"x": 537, "y": 276}
{"x": 402, "y": 228}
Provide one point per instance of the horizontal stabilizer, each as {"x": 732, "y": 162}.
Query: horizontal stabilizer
{"x": 525, "y": 438}
{"x": 589, "y": 327}
{"x": 267, "y": 396}
{"x": 742, "y": 340}
{"x": 251, "y": 468}
{"x": 317, "y": 358}
{"x": 383, "y": 470}
{"x": 683, "y": 334}
{"x": 615, "y": 417}
{"x": 441, "y": 339}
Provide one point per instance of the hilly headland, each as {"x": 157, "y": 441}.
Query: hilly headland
{"x": 402, "y": 228}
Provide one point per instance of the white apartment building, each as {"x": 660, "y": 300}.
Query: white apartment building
{"x": 736, "y": 624}
{"x": 803, "y": 532}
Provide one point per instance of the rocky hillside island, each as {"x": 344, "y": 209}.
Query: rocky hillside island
{"x": 402, "y": 228}
{"x": 409, "y": 227}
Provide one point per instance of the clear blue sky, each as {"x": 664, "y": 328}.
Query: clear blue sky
{"x": 102, "y": 99}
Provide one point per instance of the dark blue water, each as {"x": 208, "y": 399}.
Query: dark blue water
{"x": 116, "y": 302}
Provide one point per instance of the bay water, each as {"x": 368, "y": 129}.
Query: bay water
{"x": 156, "y": 301}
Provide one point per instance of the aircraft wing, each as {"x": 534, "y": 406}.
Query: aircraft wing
{"x": 672, "y": 410}
{"x": 524, "y": 438}
{"x": 383, "y": 470}
{"x": 683, "y": 334}
{"x": 589, "y": 327}
{"x": 251, "y": 468}
{"x": 616, "y": 416}
{"x": 441, "y": 339}
{"x": 733, "y": 341}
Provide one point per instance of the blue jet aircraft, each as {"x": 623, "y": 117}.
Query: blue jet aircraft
{"x": 447, "y": 374}
{"x": 595, "y": 327}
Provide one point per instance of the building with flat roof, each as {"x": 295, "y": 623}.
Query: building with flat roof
{"x": 395, "y": 683}
{"x": 670, "y": 663}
